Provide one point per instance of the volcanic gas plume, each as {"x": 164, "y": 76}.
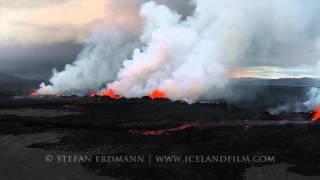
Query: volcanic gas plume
{"x": 148, "y": 48}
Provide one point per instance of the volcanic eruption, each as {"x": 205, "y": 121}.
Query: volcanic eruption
{"x": 109, "y": 93}
{"x": 180, "y": 78}
{"x": 160, "y": 52}
{"x": 157, "y": 94}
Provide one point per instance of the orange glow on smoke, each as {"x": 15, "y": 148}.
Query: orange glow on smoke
{"x": 157, "y": 94}
{"x": 34, "y": 94}
{"x": 91, "y": 94}
{"x": 58, "y": 94}
{"x": 316, "y": 115}
{"x": 238, "y": 73}
{"x": 109, "y": 93}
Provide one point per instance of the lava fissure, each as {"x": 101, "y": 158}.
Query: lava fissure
{"x": 162, "y": 131}
{"x": 316, "y": 115}
{"x": 109, "y": 93}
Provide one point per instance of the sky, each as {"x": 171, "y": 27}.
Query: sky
{"x": 39, "y": 35}
{"x": 48, "y": 21}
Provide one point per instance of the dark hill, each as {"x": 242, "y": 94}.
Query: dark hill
{"x": 11, "y": 85}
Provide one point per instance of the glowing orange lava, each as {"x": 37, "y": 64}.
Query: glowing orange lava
{"x": 34, "y": 93}
{"x": 316, "y": 115}
{"x": 160, "y": 132}
{"x": 109, "y": 93}
{"x": 157, "y": 94}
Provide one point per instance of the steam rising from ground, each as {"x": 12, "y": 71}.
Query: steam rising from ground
{"x": 109, "y": 44}
{"x": 189, "y": 55}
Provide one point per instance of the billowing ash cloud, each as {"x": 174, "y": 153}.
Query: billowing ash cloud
{"x": 189, "y": 57}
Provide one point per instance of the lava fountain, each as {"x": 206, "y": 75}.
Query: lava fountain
{"x": 158, "y": 94}
{"x": 109, "y": 93}
{"x": 316, "y": 115}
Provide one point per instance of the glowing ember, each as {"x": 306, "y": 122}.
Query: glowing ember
{"x": 34, "y": 94}
{"x": 157, "y": 94}
{"x": 316, "y": 115}
{"x": 109, "y": 93}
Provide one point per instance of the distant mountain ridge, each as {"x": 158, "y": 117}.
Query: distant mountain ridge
{"x": 6, "y": 78}
{"x": 12, "y": 84}
{"x": 281, "y": 81}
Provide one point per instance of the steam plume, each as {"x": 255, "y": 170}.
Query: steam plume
{"x": 190, "y": 55}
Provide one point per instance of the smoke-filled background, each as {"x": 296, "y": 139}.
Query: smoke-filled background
{"x": 190, "y": 49}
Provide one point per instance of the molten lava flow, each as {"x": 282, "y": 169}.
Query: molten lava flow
{"x": 109, "y": 93}
{"x": 316, "y": 115}
{"x": 157, "y": 94}
{"x": 162, "y": 131}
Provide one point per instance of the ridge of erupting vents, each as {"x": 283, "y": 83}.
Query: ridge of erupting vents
{"x": 109, "y": 93}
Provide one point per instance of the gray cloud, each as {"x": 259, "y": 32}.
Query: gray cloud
{"x": 29, "y": 4}
{"x": 36, "y": 62}
{"x": 56, "y": 45}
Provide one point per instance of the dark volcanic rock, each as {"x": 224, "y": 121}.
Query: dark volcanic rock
{"x": 100, "y": 126}
{"x": 100, "y": 112}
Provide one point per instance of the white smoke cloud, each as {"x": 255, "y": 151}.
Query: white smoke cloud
{"x": 314, "y": 98}
{"x": 110, "y": 43}
{"x": 97, "y": 64}
{"x": 313, "y": 94}
{"x": 183, "y": 58}
{"x": 190, "y": 57}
